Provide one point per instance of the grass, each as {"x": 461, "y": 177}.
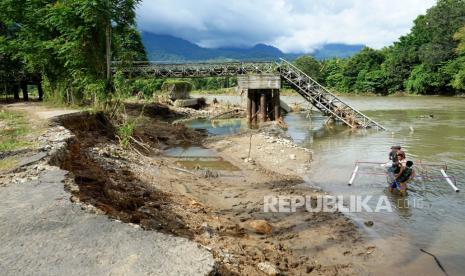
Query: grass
{"x": 8, "y": 163}
{"x": 14, "y": 128}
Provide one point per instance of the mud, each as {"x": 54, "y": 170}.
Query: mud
{"x": 146, "y": 188}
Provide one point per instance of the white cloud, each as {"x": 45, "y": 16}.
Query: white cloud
{"x": 291, "y": 25}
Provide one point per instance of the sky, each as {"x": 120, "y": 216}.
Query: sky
{"x": 297, "y": 26}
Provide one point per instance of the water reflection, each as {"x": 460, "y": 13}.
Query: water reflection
{"x": 220, "y": 126}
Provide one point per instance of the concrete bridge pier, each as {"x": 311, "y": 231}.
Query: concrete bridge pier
{"x": 251, "y": 107}
{"x": 262, "y": 96}
{"x": 262, "y": 105}
{"x": 276, "y": 104}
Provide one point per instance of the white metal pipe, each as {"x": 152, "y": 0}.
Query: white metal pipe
{"x": 354, "y": 173}
{"x": 449, "y": 181}
{"x": 388, "y": 164}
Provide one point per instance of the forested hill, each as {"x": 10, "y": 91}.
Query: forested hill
{"x": 428, "y": 60}
{"x": 170, "y": 48}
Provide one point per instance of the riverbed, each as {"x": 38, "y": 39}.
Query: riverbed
{"x": 430, "y": 130}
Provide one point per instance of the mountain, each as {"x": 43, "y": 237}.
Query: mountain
{"x": 337, "y": 50}
{"x": 173, "y": 49}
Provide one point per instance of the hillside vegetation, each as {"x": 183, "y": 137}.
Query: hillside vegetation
{"x": 428, "y": 60}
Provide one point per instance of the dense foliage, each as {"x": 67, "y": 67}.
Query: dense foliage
{"x": 66, "y": 43}
{"x": 428, "y": 60}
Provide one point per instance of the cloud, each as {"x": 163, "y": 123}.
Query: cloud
{"x": 291, "y": 25}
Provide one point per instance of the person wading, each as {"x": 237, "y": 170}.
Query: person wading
{"x": 405, "y": 175}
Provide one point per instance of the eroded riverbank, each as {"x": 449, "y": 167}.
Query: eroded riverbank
{"x": 221, "y": 211}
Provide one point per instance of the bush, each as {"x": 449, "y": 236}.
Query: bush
{"x": 147, "y": 87}
{"x": 125, "y": 132}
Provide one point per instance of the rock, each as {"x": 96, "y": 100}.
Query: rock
{"x": 249, "y": 160}
{"x": 33, "y": 159}
{"x": 309, "y": 269}
{"x": 285, "y": 106}
{"x": 134, "y": 225}
{"x": 209, "y": 174}
{"x": 268, "y": 268}
{"x": 226, "y": 257}
{"x": 261, "y": 226}
{"x": 74, "y": 199}
{"x": 369, "y": 223}
{"x": 186, "y": 102}
{"x": 207, "y": 230}
{"x": 292, "y": 156}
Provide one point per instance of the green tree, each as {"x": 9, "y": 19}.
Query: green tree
{"x": 309, "y": 65}
{"x": 456, "y": 67}
{"x": 421, "y": 80}
{"x": 459, "y": 36}
{"x": 372, "y": 81}
{"x": 66, "y": 41}
{"x": 425, "y": 61}
{"x": 332, "y": 74}
{"x": 359, "y": 65}
{"x": 399, "y": 62}
{"x": 430, "y": 44}
{"x": 456, "y": 70}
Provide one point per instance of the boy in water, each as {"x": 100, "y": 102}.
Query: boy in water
{"x": 401, "y": 161}
{"x": 404, "y": 176}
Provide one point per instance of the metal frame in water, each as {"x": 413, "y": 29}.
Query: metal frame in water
{"x": 422, "y": 169}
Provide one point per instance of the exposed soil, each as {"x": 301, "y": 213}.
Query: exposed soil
{"x": 217, "y": 210}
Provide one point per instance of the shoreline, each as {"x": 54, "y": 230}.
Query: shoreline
{"x": 290, "y": 92}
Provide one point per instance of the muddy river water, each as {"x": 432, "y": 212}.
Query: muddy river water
{"x": 432, "y": 216}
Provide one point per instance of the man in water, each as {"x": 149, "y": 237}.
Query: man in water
{"x": 393, "y": 153}
{"x": 394, "y": 160}
{"x": 405, "y": 175}
{"x": 397, "y": 156}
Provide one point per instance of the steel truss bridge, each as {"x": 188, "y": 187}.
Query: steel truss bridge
{"x": 319, "y": 96}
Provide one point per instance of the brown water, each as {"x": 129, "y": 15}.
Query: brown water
{"x": 437, "y": 222}
{"x": 195, "y": 157}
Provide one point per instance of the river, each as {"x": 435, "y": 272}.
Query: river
{"x": 430, "y": 129}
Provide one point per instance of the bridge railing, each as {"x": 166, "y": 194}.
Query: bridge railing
{"x": 323, "y": 95}
{"x": 176, "y": 70}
